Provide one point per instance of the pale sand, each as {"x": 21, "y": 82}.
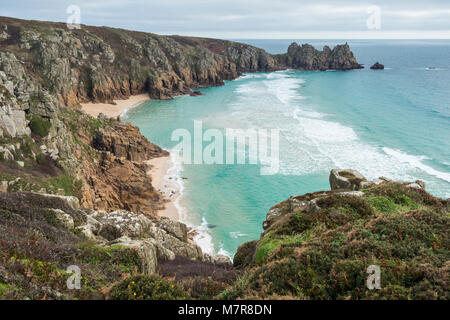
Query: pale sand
{"x": 157, "y": 172}
{"x": 111, "y": 110}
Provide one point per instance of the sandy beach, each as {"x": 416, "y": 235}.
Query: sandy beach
{"x": 158, "y": 172}
{"x": 114, "y": 110}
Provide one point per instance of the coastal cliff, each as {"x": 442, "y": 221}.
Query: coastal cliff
{"x": 306, "y": 57}
{"x": 100, "y": 64}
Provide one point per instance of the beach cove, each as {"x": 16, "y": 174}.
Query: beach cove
{"x": 368, "y": 134}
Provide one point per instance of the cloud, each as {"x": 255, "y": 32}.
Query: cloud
{"x": 249, "y": 18}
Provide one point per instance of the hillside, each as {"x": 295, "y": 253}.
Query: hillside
{"x": 320, "y": 245}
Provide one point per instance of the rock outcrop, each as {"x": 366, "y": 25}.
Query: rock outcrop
{"x": 156, "y": 240}
{"x": 126, "y": 141}
{"x": 377, "y": 66}
{"x": 306, "y": 57}
{"x": 346, "y": 179}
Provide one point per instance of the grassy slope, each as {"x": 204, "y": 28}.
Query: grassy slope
{"x": 325, "y": 255}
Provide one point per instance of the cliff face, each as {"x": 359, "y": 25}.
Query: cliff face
{"x": 99, "y": 64}
{"x": 306, "y": 57}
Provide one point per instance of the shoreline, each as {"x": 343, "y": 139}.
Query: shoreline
{"x": 159, "y": 173}
{"x": 114, "y": 110}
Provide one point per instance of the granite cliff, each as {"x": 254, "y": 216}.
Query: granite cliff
{"x": 306, "y": 57}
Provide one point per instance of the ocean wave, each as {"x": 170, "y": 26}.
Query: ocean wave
{"x": 203, "y": 237}
{"x": 416, "y": 162}
{"x": 224, "y": 252}
{"x": 431, "y": 69}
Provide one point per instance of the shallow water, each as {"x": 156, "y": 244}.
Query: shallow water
{"x": 394, "y": 123}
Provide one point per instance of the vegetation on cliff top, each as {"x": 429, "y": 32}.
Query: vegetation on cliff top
{"x": 325, "y": 254}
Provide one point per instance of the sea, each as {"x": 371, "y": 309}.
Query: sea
{"x": 393, "y": 123}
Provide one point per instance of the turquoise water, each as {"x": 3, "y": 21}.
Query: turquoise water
{"x": 394, "y": 123}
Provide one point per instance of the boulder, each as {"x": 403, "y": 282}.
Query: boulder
{"x": 196, "y": 93}
{"x": 63, "y": 218}
{"x": 175, "y": 228}
{"x": 145, "y": 249}
{"x": 346, "y": 179}
{"x": 7, "y": 155}
{"x": 418, "y": 184}
{"x": 221, "y": 259}
{"x": 124, "y": 223}
{"x": 90, "y": 230}
{"x": 377, "y": 66}
{"x": 180, "y": 248}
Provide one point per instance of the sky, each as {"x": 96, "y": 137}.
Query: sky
{"x": 253, "y": 19}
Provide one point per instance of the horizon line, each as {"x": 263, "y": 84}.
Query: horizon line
{"x": 277, "y": 35}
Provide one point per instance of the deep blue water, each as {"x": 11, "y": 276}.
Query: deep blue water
{"x": 394, "y": 123}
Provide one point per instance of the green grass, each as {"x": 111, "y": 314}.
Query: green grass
{"x": 265, "y": 248}
{"x": 385, "y": 205}
{"x": 69, "y": 184}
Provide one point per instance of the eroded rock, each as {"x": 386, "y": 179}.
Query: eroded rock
{"x": 346, "y": 179}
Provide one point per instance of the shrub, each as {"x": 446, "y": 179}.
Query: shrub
{"x": 382, "y": 204}
{"x": 41, "y": 159}
{"x": 40, "y": 126}
{"x": 147, "y": 288}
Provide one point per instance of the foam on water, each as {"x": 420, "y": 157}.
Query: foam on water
{"x": 310, "y": 142}
{"x": 203, "y": 238}
{"x": 174, "y": 181}
{"x": 416, "y": 162}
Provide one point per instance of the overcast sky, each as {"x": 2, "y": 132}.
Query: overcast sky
{"x": 257, "y": 19}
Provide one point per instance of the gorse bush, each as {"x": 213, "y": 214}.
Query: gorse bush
{"x": 40, "y": 126}
{"x": 147, "y": 288}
